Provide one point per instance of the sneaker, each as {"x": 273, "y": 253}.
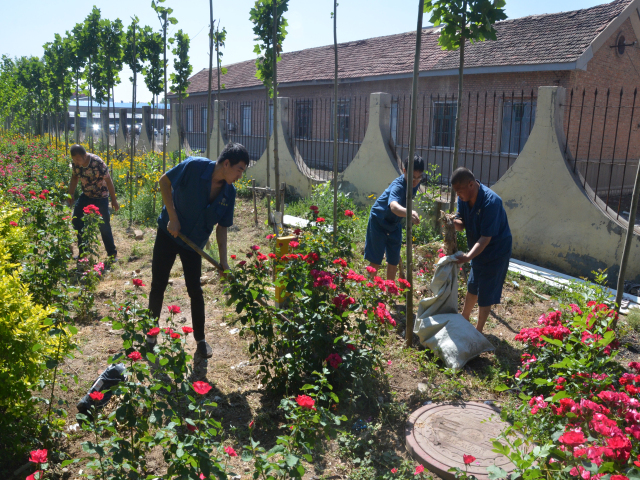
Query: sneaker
{"x": 204, "y": 349}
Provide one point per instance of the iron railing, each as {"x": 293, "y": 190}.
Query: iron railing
{"x": 602, "y": 145}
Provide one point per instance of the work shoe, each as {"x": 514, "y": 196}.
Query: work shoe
{"x": 204, "y": 349}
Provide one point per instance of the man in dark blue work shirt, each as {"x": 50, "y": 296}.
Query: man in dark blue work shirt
{"x": 384, "y": 231}
{"x": 481, "y": 214}
{"x": 198, "y": 194}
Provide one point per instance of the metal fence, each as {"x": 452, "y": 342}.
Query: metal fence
{"x": 308, "y": 124}
{"x": 603, "y": 145}
{"x": 494, "y": 129}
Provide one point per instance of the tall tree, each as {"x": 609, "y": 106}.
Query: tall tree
{"x": 463, "y": 20}
{"x": 78, "y": 60}
{"x": 153, "y": 70}
{"x": 270, "y": 30}
{"x": 165, "y": 18}
{"x": 30, "y": 74}
{"x": 57, "y": 63}
{"x": 334, "y": 14}
{"x": 220, "y": 38}
{"x": 180, "y": 79}
{"x": 90, "y": 44}
{"x": 12, "y": 96}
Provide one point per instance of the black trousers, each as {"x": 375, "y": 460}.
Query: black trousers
{"x": 105, "y": 227}
{"x": 165, "y": 250}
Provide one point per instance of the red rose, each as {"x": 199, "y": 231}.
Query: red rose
{"x": 305, "y": 401}
{"x": 153, "y": 332}
{"x": 240, "y": 264}
{"x": 201, "y": 387}
{"x": 468, "y": 459}
{"x": 138, "y": 283}
{"x": 135, "y": 356}
{"x": 173, "y": 309}
{"x": 191, "y": 428}
{"x": 294, "y": 244}
{"x": 175, "y": 335}
{"x": 230, "y": 451}
{"x": 255, "y": 248}
{"x": 394, "y": 470}
{"x": 572, "y": 439}
{"x": 348, "y": 213}
{"x": 40, "y": 474}
{"x": 38, "y": 456}
{"x": 96, "y": 396}
{"x": 419, "y": 470}
{"x": 319, "y": 219}
{"x": 187, "y": 329}
{"x": 313, "y": 208}
{"x": 13, "y": 224}
{"x": 273, "y": 255}
{"x": 334, "y": 360}
{"x": 233, "y": 257}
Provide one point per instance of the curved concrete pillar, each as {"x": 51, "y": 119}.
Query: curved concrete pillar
{"x": 174, "y": 137}
{"x": 293, "y": 171}
{"x": 553, "y": 221}
{"x": 218, "y": 135}
{"x": 146, "y": 131}
{"x": 121, "y": 138}
{"x": 374, "y": 167}
{"x": 104, "y": 126}
{"x": 88, "y": 125}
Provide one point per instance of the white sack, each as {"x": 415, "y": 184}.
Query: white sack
{"x": 440, "y": 327}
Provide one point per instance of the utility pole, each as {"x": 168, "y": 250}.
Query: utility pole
{"x": 208, "y": 134}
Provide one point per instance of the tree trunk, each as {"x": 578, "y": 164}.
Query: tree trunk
{"x": 218, "y": 95}
{"x": 207, "y": 134}
{"x": 409, "y": 176}
{"x": 179, "y": 132}
{"x": 132, "y": 128}
{"x": 164, "y": 128}
{"x": 267, "y": 136}
{"x": 276, "y": 162}
{"x": 90, "y": 108}
{"x": 456, "y": 148}
{"x": 76, "y": 120}
{"x": 335, "y": 123}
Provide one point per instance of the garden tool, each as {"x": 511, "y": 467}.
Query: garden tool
{"x": 221, "y": 270}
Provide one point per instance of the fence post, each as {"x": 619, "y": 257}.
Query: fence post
{"x": 627, "y": 242}
{"x": 255, "y": 203}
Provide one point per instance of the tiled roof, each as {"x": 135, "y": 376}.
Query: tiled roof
{"x": 533, "y": 40}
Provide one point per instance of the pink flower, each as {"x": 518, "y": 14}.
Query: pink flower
{"x": 173, "y": 309}
{"x": 187, "y": 329}
{"x": 251, "y": 424}
{"x": 96, "y": 396}
{"x": 135, "y": 356}
{"x": 419, "y": 470}
{"x": 394, "y": 470}
{"x": 230, "y": 451}
{"x": 294, "y": 244}
{"x": 305, "y": 402}
{"x": 370, "y": 269}
{"x": 33, "y": 475}
{"x": 270, "y": 236}
{"x": 468, "y": 459}
{"x": 38, "y": 456}
{"x": 255, "y": 248}
{"x": 334, "y": 360}
{"x": 13, "y": 224}
{"x": 201, "y": 387}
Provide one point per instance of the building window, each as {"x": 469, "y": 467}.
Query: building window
{"x": 203, "y": 119}
{"x": 394, "y": 121}
{"x": 245, "y": 119}
{"x": 304, "y": 109}
{"x": 517, "y": 122}
{"x": 343, "y": 120}
{"x": 189, "y": 125}
{"x": 444, "y": 124}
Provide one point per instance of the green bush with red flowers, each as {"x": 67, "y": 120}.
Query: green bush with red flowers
{"x": 334, "y": 315}
{"x": 580, "y": 416}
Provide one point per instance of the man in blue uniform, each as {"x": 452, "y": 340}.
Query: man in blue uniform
{"x": 481, "y": 214}
{"x": 384, "y": 232}
{"x": 198, "y": 194}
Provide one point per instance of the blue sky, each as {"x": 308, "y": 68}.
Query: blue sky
{"x": 28, "y": 24}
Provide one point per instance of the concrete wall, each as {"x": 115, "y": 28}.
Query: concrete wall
{"x": 553, "y": 222}
{"x": 374, "y": 166}
{"x": 293, "y": 171}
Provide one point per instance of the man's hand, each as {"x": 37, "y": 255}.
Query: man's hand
{"x": 115, "y": 205}
{"x": 70, "y": 201}
{"x": 463, "y": 259}
{"x": 174, "y": 227}
{"x": 415, "y": 218}
{"x": 225, "y": 267}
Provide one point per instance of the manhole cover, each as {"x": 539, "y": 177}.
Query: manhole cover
{"x": 439, "y": 435}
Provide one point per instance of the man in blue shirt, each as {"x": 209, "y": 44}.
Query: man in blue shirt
{"x": 384, "y": 231}
{"x": 481, "y": 214}
{"x": 198, "y": 194}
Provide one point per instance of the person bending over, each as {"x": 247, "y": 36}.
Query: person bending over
{"x": 384, "y": 231}
{"x": 198, "y": 194}
{"x": 96, "y": 189}
{"x": 481, "y": 214}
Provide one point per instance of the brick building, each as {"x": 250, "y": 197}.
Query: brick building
{"x": 582, "y": 50}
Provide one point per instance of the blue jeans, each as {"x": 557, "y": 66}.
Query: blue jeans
{"x": 105, "y": 227}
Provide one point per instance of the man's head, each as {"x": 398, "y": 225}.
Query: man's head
{"x": 464, "y": 183}
{"x": 78, "y": 154}
{"x": 418, "y": 169}
{"x": 234, "y": 160}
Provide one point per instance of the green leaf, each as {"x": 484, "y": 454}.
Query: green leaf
{"x": 291, "y": 460}
{"x": 73, "y": 330}
{"x": 496, "y": 473}
{"x": 36, "y": 347}
{"x": 559, "y": 395}
{"x": 117, "y": 326}
{"x": 164, "y": 361}
{"x": 151, "y": 357}
{"x": 552, "y": 341}
{"x": 501, "y": 388}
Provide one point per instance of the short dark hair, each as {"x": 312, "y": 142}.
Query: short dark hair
{"x": 235, "y": 153}
{"x": 462, "y": 175}
{"x": 418, "y": 163}
{"x": 77, "y": 150}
